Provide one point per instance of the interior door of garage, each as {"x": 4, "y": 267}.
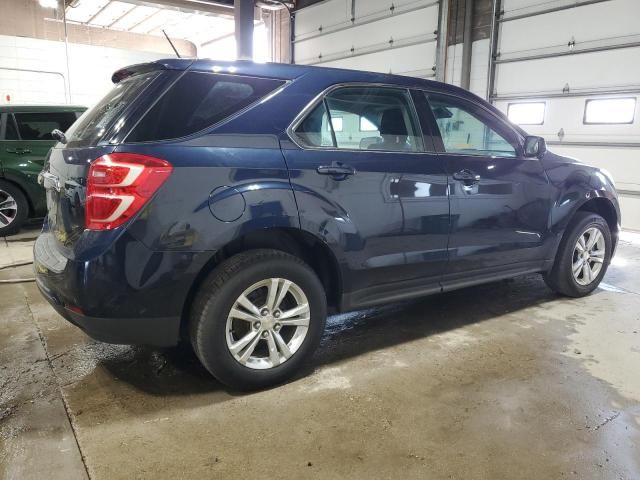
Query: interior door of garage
{"x": 500, "y": 201}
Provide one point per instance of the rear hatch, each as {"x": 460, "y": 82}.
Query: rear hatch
{"x": 96, "y": 133}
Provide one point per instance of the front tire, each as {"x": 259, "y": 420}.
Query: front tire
{"x": 14, "y": 208}
{"x": 583, "y": 256}
{"x": 257, "y": 318}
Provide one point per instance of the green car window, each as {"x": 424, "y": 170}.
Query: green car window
{"x": 38, "y": 126}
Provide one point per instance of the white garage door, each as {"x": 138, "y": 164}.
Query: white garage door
{"x": 386, "y": 36}
{"x": 575, "y": 65}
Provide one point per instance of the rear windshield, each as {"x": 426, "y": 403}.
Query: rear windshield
{"x": 91, "y": 127}
{"x": 199, "y": 100}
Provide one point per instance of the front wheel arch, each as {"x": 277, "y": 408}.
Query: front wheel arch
{"x": 605, "y": 208}
{"x": 560, "y": 278}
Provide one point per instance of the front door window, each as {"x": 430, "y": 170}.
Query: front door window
{"x": 464, "y": 132}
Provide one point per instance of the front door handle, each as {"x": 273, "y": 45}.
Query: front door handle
{"x": 337, "y": 170}
{"x": 466, "y": 176}
{"x": 18, "y": 150}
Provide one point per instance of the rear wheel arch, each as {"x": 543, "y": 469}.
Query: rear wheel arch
{"x": 303, "y": 245}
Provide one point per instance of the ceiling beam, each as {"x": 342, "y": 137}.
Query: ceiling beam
{"x": 133, "y": 7}
{"x": 98, "y": 12}
{"x": 218, "y": 8}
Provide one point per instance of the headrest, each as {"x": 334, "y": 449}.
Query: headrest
{"x": 392, "y": 123}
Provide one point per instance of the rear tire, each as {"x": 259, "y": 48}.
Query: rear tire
{"x": 217, "y": 334}
{"x": 569, "y": 276}
{"x": 14, "y": 208}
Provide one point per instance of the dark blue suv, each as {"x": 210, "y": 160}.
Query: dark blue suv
{"x": 234, "y": 204}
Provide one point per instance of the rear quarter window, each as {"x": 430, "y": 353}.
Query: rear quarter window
{"x": 199, "y": 100}
{"x": 92, "y": 126}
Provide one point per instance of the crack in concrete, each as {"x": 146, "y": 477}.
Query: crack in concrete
{"x": 65, "y": 403}
{"x": 610, "y": 418}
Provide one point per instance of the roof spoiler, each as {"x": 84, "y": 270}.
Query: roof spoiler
{"x": 133, "y": 70}
{"x": 169, "y": 64}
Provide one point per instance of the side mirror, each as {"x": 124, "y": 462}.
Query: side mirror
{"x": 534, "y": 146}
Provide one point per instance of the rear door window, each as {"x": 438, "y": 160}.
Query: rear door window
{"x": 363, "y": 118}
{"x": 38, "y": 126}
{"x": 199, "y": 100}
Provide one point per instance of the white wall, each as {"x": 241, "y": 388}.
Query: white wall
{"x": 453, "y": 70}
{"x": 90, "y": 68}
{"x": 479, "y": 66}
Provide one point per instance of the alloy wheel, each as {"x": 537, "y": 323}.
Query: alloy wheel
{"x": 268, "y": 323}
{"x": 8, "y": 209}
{"x": 588, "y": 256}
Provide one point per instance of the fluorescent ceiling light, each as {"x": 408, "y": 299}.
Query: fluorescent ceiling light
{"x": 610, "y": 110}
{"x": 528, "y": 113}
{"x": 49, "y": 3}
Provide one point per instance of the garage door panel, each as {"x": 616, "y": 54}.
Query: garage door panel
{"x": 630, "y": 207}
{"x": 416, "y": 61}
{"x": 567, "y": 114}
{"x": 620, "y": 162}
{"x": 325, "y": 15}
{"x": 623, "y": 165}
{"x": 375, "y": 7}
{"x": 606, "y": 69}
{"x": 408, "y": 28}
{"x": 523, "y": 7}
{"x": 584, "y": 24}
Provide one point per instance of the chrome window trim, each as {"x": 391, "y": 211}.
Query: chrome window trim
{"x": 297, "y": 141}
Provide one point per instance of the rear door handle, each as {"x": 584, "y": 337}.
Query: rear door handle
{"x": 466, "y": 176}
{"x": 338, "y": 170}
{"x": 18, "y": 150}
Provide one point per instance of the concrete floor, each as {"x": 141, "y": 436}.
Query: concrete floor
{"x": 501, "y": 381}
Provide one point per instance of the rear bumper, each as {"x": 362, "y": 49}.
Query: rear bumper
{"x": 121, "y": 293}
{"x": 159, "y": 332}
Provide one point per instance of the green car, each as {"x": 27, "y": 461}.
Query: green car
{"x": 25, "y": 140}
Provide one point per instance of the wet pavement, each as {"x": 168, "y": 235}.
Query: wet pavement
{"x": 500, "y": 381}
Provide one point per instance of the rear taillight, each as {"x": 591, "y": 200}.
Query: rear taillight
{"x": 119, "y": 185}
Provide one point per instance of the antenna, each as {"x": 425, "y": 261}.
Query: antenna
{"x": 171, "y": 43}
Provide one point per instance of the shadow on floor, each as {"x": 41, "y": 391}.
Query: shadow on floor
{"x": 177, "y": 371}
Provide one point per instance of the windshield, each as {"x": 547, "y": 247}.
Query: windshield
{"x": 91, "y": 127}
